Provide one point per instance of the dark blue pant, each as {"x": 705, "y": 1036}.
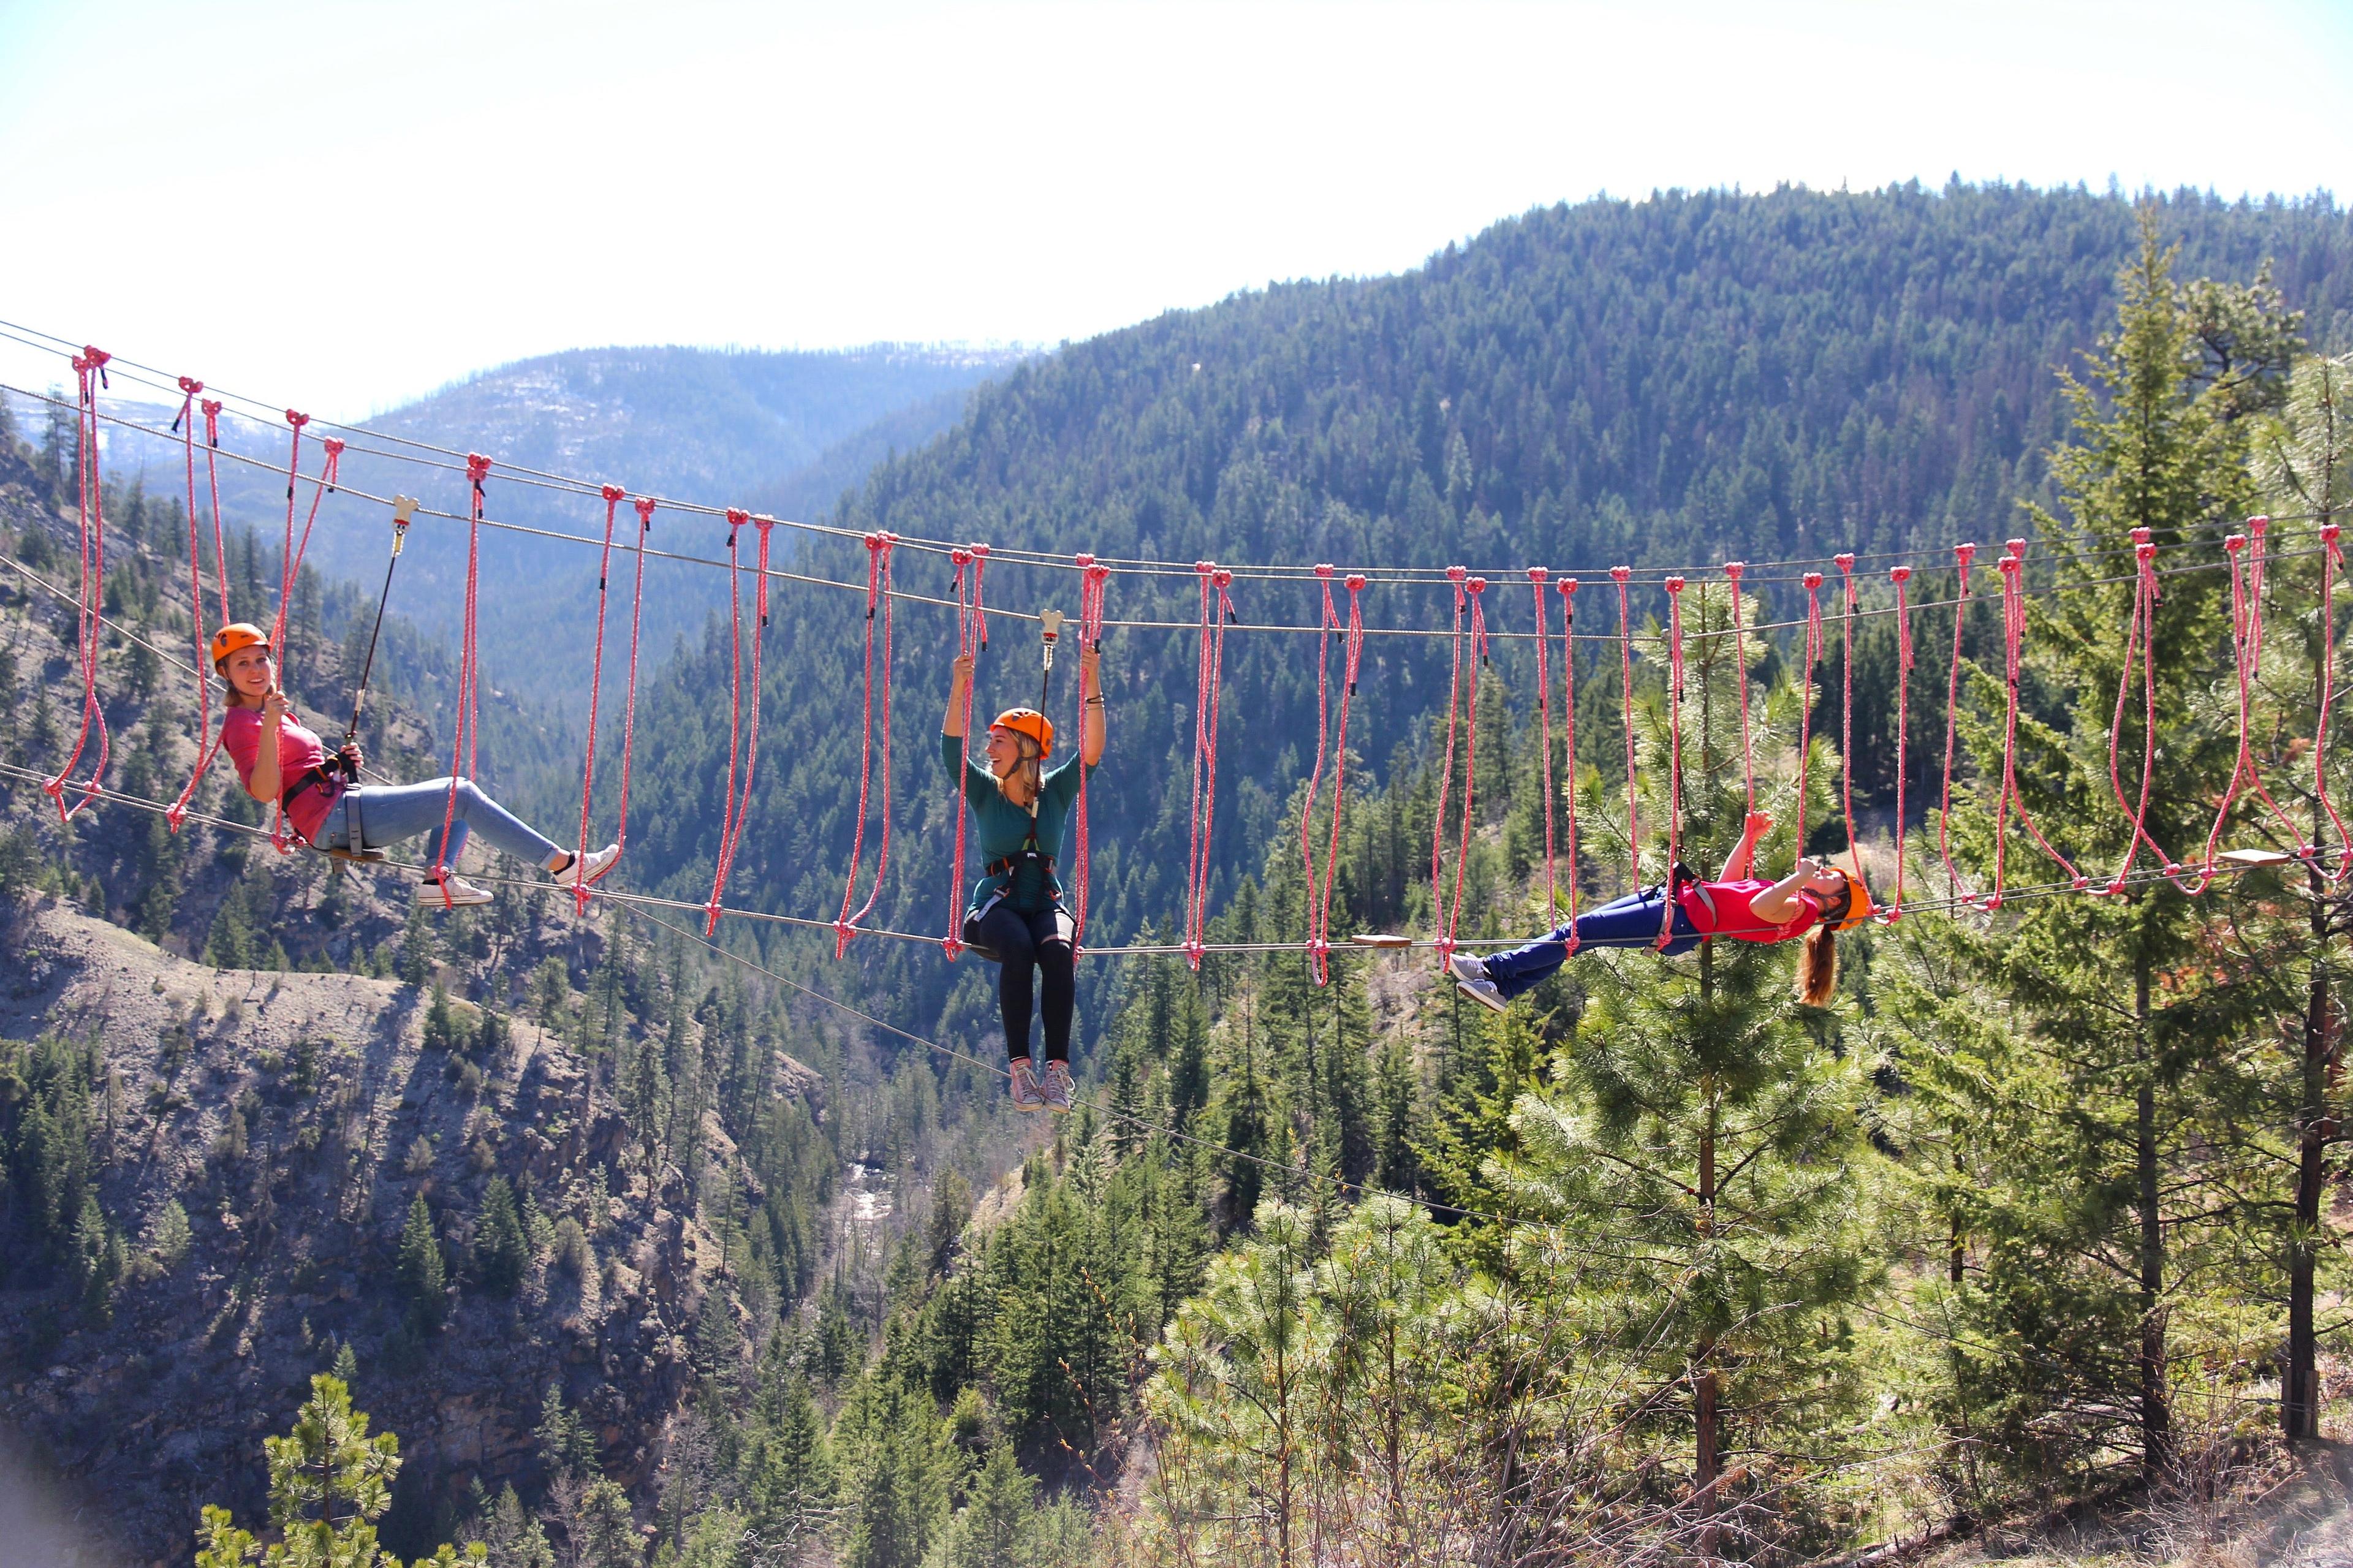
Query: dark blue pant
{"x": 1629, "y": 921}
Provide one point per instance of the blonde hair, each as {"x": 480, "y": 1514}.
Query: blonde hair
{"x": 1030, "y": 770}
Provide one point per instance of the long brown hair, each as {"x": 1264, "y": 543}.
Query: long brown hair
{"x": 1818, "y": 964}
{"x": 1818, "y": 967}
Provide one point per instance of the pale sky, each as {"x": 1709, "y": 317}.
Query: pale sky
{"x": 340, "y": 206}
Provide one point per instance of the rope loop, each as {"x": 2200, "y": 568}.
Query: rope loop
{"x": 879, "y": 545}
{"x": 1217, "y": 610}
{"x": 1092, "y": 577}
{"x": 1674, "y": 587}
{"x": 1622, "y": 575}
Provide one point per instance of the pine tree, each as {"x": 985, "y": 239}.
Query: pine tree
{"x": 423, "y": 1275}
{"x": 502, "y": 1249}
{"x": 1697, "y": 1133}
{"x": 329, "y": 1483}
{"x": 2082, "y": 1119}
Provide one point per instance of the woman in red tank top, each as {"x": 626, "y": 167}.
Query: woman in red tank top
{"x": 1817, "y": 900}
{"x": 327, "y": 810}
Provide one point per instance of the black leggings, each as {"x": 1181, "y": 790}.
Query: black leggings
{"x": 1042, "y": 941}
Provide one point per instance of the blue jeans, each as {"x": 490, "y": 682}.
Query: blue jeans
{"x": 1629, "y": 921}
{"x": 373, "y": 815}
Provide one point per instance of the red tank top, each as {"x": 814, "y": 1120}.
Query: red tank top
{"x": 1721, "y": 909}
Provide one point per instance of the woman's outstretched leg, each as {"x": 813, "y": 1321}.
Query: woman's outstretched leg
{"x": 1009, "y": 935}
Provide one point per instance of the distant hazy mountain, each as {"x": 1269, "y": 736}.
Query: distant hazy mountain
{"x": 784, "y": 432}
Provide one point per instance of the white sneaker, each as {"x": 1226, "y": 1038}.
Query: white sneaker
{"x": 577, "y": 870}
{"x": 1026, "y": 1095}
{"x": 1465, "y": 967}
{"x": 1482, "y": 991}
{"x": 1059, "y": 1091}
{"x": 449, "y": 892}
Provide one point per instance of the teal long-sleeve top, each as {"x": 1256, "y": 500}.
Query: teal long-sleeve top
{"x": 1003, "y": 828}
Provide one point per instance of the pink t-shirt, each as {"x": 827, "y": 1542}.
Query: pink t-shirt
{"x": 298, "y": 751}
{"x": 1733, "y": 917}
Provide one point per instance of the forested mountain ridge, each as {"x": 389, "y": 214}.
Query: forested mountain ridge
{"x": 1689, "y": 378}
{"x": 789, "y": 431}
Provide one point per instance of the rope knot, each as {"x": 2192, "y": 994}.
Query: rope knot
{"x": 1203, "y": 567}
{"x": 614, "y": 495}
{"x": 1537, "y": 574}
{"x": 2145, "y": 554}
{"x": 1899, "y": 574}
{"x": 2257, "y": 525}
{"x": 1356, "y": 582}
{"x": 2018, "y": 549}
{"x": 1568, "y": 588}
{"x": 1621, "y": 573}
{"x": 1733, "y": 569}
{"x": 1222, "y": 578}
{"x": 1098, "y": 573}
{"x": 297, "y": 420}
{"x": 1325, "y": 569}
{"x": 1083, "y": 560}
{"x": 1457, "y": 575}
{"x": 1675, "y": 584}
{"x": 960, "y": 557}
{"x": 763, "y": 523}
{"x": 645, "y": 505}
{"x": 1475, "y": 585}
{"x": 1812, "y": 580}
{"x": 2235, "y": 543}
{"x": 97, "y": 357}
{"x": 1964, "y": 554}
{"x": 334, "y": 447}
{"x": 478, "y": 468}
{"x": 1844, "y": 561}
{"x": 191, "y": 385}
{"x": 874, "y": 541}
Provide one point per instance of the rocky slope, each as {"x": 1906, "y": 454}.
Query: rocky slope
{"x": 294, "y": 1118}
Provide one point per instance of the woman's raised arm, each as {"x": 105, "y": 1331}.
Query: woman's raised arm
{"x": 959, "y": 680}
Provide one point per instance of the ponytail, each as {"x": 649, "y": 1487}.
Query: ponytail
{"x": 1818, "y": 967}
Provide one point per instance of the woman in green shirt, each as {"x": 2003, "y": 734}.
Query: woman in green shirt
{"x": 1021, "y": 808}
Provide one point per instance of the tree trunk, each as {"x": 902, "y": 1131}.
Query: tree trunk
{"x": 1704, "y": 1389}
{"x": 2156, "y": 1421}
{"x": 2299, "y": 1379}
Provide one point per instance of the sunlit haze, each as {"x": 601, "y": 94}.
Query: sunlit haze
{"x": 346, "y": 206}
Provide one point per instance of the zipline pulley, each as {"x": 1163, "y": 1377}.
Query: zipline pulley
{"x": 1050, "y": 631}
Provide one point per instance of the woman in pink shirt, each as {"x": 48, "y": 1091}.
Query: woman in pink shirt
{"x": 1815, "y": 901}
{"x": 329, "y": 812}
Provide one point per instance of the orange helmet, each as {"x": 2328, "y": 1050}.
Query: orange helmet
{"x": 1858, "y": 901}
{"x": 1031, "y": 722}
{"x": 234, "y": 635}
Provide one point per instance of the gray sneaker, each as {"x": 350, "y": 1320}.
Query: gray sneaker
{"x": 1026, "y": 1096}
{"x": 1059, "y": 1091}
{"x": 1462, "y": 966}
{"x": 1481, "y": 990}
